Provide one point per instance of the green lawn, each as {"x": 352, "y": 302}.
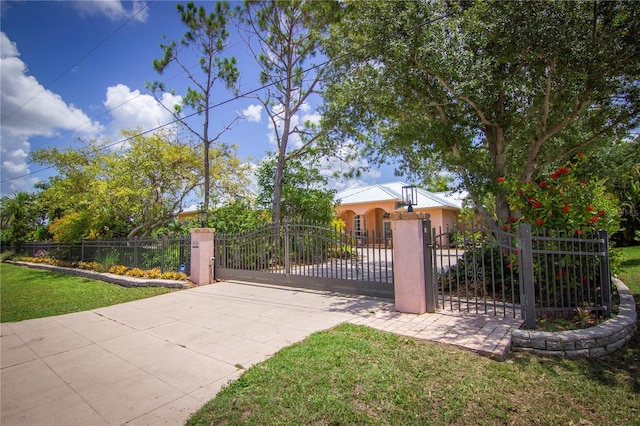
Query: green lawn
{"x": 32, "y": 293}
{"x": 630, "y": 273}
{"x": 357, "y": 375}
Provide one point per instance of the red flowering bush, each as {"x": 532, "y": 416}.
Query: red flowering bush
{"x": 561, "y": 202}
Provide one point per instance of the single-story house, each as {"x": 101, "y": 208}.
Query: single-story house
{"x": 190, "y": 212}
{"x": 367, "y": 209}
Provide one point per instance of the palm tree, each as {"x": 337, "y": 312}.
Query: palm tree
{"x": 15, "y": 217}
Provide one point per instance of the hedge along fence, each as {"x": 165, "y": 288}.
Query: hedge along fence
{"x": 166, "y": 254}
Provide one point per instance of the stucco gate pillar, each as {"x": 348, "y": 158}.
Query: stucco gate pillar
{"x": 202, "y": 256}
{"x": 410, "y": 262}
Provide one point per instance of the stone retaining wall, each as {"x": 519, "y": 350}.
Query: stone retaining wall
{"x": 592, "y": 342}
{"x": 120, "y": 280}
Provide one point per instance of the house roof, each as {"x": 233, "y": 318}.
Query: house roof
{"x": 393, "y": 192}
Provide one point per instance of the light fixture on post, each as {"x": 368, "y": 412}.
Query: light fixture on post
{"x": 409, "y": 197}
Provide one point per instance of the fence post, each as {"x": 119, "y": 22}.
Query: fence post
{"x": 287, "y": 248}
{"x": 409, "y": 281}
{"x": 527, "y": 289}
{"x": 135, "y": 252}
{"x": 429, "y": 276}
{"x": 605, "y": 272}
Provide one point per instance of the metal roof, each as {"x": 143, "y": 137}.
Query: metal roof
{"x": 393, "y": 192}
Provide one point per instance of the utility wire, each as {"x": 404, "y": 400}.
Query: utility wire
{"x": 236, "y": 97}
{"x": 83, "y": 57}
{"x": 90, "y": 120}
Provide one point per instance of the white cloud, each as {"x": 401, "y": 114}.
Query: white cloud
{"x": 132, "y": 110}
{"x": 334, "y": 167}
{"x": 298, "y": 120}
{"x": 112, "y": 9}
{"x": 253, "y": 113}
{"x": 30, "y": 110}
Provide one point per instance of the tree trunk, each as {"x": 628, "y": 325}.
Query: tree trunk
{"x": 279, "y": 177}
{"x": 497, "y": 147}
{"x": 207, "y": 183}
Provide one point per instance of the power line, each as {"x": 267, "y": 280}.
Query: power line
{"x": 90, "y": 120}
{"x": 236, "y": 97}
{"x": 77, "y": 62}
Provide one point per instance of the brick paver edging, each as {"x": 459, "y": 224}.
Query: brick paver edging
{"x": 120, "y": 280}
{"x": 592, "y": 342}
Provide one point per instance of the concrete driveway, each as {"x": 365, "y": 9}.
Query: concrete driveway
{"x": 158, "y": 360}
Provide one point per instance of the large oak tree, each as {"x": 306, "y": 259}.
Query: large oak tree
{"x": 484, "y": 89}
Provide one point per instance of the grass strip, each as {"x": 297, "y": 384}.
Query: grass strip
{"x": 357, "y": 375}
{"x": 27, "y": 293}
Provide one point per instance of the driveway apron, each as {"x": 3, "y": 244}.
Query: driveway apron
{"x": 158, "y": 360}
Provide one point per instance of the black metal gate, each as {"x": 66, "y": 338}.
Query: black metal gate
{"x": 308, "y": 256}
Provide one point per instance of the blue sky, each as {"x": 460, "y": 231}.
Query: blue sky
{"x": 77, "y": 69}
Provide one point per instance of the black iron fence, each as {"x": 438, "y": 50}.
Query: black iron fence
{"x": 533, "y": 275}
{"x": 167, "y": 254}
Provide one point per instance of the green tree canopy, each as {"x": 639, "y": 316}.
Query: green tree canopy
{"x": 17, "y": 217}
{"x": 484, "y": 89}
{"x": 130, "y": 191}
{"x": 303, "y": 194}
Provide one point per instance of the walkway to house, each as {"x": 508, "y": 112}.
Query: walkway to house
{"x": 156, "y": 361}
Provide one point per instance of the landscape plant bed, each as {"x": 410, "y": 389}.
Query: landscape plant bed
{"x": 154, "y": 273}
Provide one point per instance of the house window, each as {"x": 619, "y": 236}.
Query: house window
{"x": 358, "y": 224}
{"x": 387, "y": 228}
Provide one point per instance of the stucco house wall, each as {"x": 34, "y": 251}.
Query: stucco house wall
{"x": 367, "y": 209}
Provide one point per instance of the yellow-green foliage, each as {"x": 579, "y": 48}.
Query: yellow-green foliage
{"x": 171, "y": 275}
{"x": 118, "y": 270}
{"x": 135, "y": 272}
{"x": 154, "y": 273}
{"x": 49, "y": 261}
{"x": 90, "y": 266}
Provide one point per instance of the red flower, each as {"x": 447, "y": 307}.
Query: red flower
{"x": 539, "y": 222}
{"x": 594, "y": 219}
{"x": 513, "y": 219}
{"x": 537, "y": 205}
{"x": 561, "y": 171}
{"x": 581, "y": 154}
{"x": 590, "y": 208}
{"x": 510, "y": 266}
{"x": 501, "y": 179}
{"x": 602, "y": 213}
{"x": 580, "y": 232}
{"x": 506, "y": 227}
{"x": 565, "y": 209}
{"x": 543, "y": 184}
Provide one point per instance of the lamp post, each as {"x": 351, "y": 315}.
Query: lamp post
{"x": 203, "y": 217}
{"x": 409, "y": 197}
